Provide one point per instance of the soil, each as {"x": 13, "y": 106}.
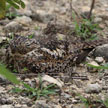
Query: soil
{"x": 91, "y": 84}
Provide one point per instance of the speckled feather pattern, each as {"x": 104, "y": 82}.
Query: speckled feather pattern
{"x": 47, "y": 54}
{"x": 50, "y": 57}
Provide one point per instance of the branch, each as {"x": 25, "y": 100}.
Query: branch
{"x": 92, "y": 7}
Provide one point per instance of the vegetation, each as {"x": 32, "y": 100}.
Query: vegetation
{"x": 88, "y": 102}
{"x": 8, "y": 75}
{"x": 34, "y": 93}
{"x": 104, "y": 102}
{"x": 85, "y": 101}
{"x": 86, "y": 29}
{"x": 15, "y": 3}
{"x": 10, "y": 14}
{"x": 98, "y": 67}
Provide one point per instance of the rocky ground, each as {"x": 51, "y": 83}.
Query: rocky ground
{"x": 92, "y": 85}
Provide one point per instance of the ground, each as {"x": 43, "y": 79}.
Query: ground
{"x": 35, "y": 17}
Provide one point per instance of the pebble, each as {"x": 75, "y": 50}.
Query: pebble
{"x": 24, "y": 20}
{"x": 6, "y": 106}
{"x": 79, "y": 106}
{"x": 93, "y": 88}
{"x": 18, "y": 106}
{"x": 94, "y": 63}
{"x": 106, "y": 22}
{"x": 101, "y": 51}
{"x": 91, "y": 69}
{"x": 12, "y": 27}
{"x": 61, "y": 36}
{"x": 4, "y": 22}
{"x": 67, "y": 96}
{"x": 52, "y": 80}
{"x": 1, "y": 89}
{"x": 97, "y": 20}
{"x": 42, "y": 16}
{"x": 2, "y": 39}
{"x": 41, "y": 104}
{"x": 99, "y": 59}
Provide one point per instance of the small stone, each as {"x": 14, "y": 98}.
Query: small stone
{"x": 93, "y": 88}
{"x": 106, "y": 22}
{"x": 50, "y": 79}
{"x": 63, "y": 10}
{"x": 67, "y": 96}
{"x": 6, "y": 106}
{"x": 41, "y": 104}
{"x": 4, "y": 22}
{"x": 74, "y": 101}
{"x": 18, "y": 106}
{"x": 57, "y": 106}
{"x": 25, "y": 12}
{"x": 99, "y": 59}
{"x": 24, "y": 106}
{"x": 79, "y": 106}
{"x": 27, "y": 80}
{"x": 101, "y": 51}
{"x": 104, "y": 16}
{"x": 24, "y": 20}
{"x": 97, "y": 20}
{"x": 61, "y": 36}
{"x": 2, "y": 39}
{"x": 12, "y": 27}
{"x": 21, "y": 106}
{"x": 2, "y": 89}
{"x": 85, "y": 8}
{"x": 94, "y": 63}
{"x": 42, "y": 16}
{"x": 102, "y": 26}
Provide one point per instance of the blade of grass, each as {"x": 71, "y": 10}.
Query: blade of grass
{"x": 98, "y": 67}
{"x": 7, "y": 74}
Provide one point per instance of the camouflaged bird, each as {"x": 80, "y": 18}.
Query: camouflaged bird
{"x": 48, "y": 54}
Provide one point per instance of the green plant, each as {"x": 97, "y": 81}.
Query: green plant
{"x": 9, "y": 14}
{"x": 105, "y": 102}
{"x": 37, "y": 28}
{"x": 105, "y": 66}
{"x": 31, "y": 36}
{"x": 15, "y": 3}
{"x": 86, "y": 29}
{"x": 98, "y": 67}
{"x": 94, "y": 103}
{"x": 8, "y": 75}
{"x": 85, "y": 101}
{"x": 34, "y": 93}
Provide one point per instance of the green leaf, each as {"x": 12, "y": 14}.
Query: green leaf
{"x": 49, "y": 86}
{"x": 16, "y": 90}
{"x": 13, "y": 4}
{"x": 2, "y": 8}
{"x": 106, "y": 103}
{"x": 8, "y": 6}
{"x": 98, "y": 67}
{"x": 28, "y": 87}
{"x": 8, "y": 75}
{"x": 21, "y": 3}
